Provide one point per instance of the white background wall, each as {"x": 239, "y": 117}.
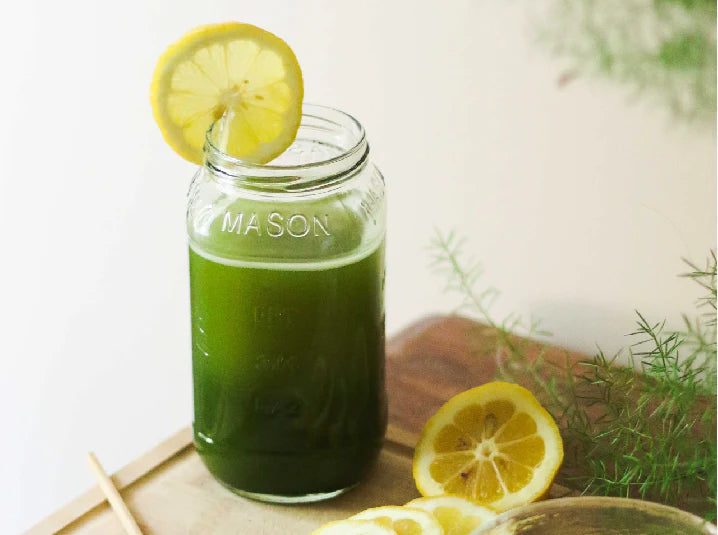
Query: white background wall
{"x": 578, "y": 201}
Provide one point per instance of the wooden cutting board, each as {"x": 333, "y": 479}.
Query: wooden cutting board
{"x": 170, "y": 492}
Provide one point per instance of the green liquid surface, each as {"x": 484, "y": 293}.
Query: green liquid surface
{"x": 288, "y": 365}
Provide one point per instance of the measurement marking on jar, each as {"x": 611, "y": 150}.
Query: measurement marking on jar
{"x": 276, "y": 224}
{"x": 276, "y": 363}
{"x": 271, "y": 406}
{"x": 274, "y": 315}
{"x": 371, "y": 200}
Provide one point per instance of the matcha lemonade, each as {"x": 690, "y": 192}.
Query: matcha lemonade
{"x": 288, "y": 368}
{"x": 288, "y": 324}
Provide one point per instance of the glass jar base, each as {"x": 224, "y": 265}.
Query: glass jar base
{"x": 277, "y": 498}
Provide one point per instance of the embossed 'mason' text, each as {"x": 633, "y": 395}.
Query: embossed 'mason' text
{"x": 276, "y": 224}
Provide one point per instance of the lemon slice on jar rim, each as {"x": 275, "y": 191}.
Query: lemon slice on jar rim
{"x": 243, "y": 78}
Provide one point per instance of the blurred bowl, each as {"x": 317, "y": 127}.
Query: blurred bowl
{"x": 597, "y": 516}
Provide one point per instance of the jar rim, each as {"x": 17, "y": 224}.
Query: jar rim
{"x": 346, "y": 160}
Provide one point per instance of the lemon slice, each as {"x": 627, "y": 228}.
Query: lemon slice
{"x": 456, "y": 515}
{"x": 240, "y": 76}
{"x": 493, "y": 444}
{"x": 353, "y": 527}
{"x": 403, "y": 520}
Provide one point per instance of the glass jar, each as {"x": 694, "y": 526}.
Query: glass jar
{"x": 287, "y": 283}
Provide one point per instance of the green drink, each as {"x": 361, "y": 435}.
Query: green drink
{"x": 288, "y": 373}
{"x": 287, "y": 285}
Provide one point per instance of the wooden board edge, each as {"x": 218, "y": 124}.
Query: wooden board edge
{"x": 396, "y": 438}
{"x": 127, "y": 475}
{"x": 160, "y": 454}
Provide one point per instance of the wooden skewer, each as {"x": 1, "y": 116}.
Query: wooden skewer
{"x": 118, "y": 505}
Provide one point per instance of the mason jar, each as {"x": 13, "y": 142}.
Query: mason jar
{"x": 287, "y": 300}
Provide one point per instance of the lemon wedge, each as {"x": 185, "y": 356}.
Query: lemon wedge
{"x": 241, "y": 77}
{"x": 457, "y": 516}
{"x": 403, "y": 520}
{"x": 493, "y": 444}
{"x": 353, "y": 527}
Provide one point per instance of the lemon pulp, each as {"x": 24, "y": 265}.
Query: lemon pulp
{"x": 493, "y": 444}
{"x": 458, "y": 516}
